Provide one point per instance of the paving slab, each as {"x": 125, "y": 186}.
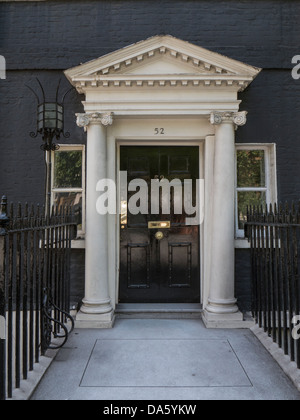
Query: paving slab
{"x": 163, "y": 363}
{"x": 159, "y": 359}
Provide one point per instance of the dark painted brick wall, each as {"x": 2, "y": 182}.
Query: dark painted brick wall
{"x": 60, "y": 34}
{"x": 41, "y": 39}
{"x": 22, "y": 167}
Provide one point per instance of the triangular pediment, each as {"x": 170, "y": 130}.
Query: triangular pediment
{"x": 162, "y": 61}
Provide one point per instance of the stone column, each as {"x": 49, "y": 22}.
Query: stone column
{"x": 96, "y": 310}
{"x": 222, "y": 309}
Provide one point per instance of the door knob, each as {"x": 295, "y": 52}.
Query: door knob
{"x": 159, "y": 236}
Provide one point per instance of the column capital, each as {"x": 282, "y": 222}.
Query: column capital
{"x": 237, "y": 118}
{"x": 84, "y": 120}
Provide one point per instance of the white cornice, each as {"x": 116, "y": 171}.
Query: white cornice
{"x": 196, "y": 67}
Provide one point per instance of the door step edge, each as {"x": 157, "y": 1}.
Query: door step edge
{"x": 159, "y": 311}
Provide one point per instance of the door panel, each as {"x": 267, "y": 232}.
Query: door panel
{"x": 138, "y": 263}
{"x": 180, "y": 264}
{"x": 164, "y": 268}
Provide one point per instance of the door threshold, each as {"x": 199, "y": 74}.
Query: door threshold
{"x": 159, "y": 310}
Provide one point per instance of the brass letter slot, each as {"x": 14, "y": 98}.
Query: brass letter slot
{"x": 159, "y": 225}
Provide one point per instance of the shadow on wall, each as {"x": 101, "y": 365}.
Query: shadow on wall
{"x": 243, "y": 288}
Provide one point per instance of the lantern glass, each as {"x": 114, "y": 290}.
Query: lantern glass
{"x": 50, "y": 116}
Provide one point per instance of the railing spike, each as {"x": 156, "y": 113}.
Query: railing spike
{"x": 271, "y": 209}
{"x": 11, "y": 210}
{"x": 26, "y": 210}
{"x": 4, "y": 219}
{"x": 286, "y": 207}
{"x": 4, "y": 204}
{"x": 19, "y": 210}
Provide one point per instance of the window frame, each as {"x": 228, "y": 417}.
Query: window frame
{"x": 270, "y": 175}
{"x": 71, "y": 148}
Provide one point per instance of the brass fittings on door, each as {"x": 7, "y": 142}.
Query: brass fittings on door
{"x": 159, "y": 236}
{"x": 159, "y": 225}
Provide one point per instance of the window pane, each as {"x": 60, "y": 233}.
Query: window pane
{"x": 73, "y": 199}
{"x": 248, "y": 198}
{"x": 251, "y": 170}
{"x": 68, "y": 169}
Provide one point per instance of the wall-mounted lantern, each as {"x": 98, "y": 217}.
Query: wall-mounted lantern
{"x": 50, "y": 125}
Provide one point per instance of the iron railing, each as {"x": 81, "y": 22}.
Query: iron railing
{"x": 34, "y": 288}
{"x": 274, "y": 235}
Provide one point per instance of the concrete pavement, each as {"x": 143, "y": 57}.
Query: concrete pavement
{"x": 164, "y": 359}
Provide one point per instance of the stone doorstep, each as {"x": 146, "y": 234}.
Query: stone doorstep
{"x": 167, "y": 311}
{"x": 182, "y": 311}
{"x": 158, "y": 311}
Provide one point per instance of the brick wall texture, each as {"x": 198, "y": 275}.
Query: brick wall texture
{"x": 41, "y": 39}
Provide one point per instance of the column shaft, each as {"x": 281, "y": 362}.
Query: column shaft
{"x": 96, "y": 263}
{"x": 222, "y": 309}
{"x": 96, "y": 310}
{"x": 221, "y": 297}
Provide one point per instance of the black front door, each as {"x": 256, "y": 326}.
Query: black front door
{"x": 159, "y": 259}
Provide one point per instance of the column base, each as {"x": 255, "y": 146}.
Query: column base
{"x": 226, "y": 320}
{"x": 95, "y": 320}
{"x": 96, "y": 306}
{"x": 222, "y": 306}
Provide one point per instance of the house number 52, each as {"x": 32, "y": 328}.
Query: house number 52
{"x": 158, "y": 131}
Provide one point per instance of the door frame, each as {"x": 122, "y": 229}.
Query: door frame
{"x": 169, "y": 142}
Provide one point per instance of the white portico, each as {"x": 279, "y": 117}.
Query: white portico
{"x": 162, "y": 91}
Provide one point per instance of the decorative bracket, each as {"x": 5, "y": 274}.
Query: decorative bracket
{"x": 52, "y": 327}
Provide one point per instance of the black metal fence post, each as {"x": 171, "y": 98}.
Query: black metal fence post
{"x": 34, "y": 288}
{"x": 3, "y": 232}
{"x": 274, "y": 235}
